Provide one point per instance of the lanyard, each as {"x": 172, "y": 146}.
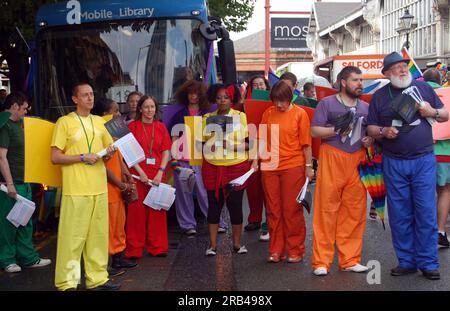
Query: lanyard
{"x": 85, "y": 133}
{"x": 341, "y": 101}
{"x": 153, "y": 136}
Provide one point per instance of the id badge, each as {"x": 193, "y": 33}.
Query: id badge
{"x": 151, "y": 161}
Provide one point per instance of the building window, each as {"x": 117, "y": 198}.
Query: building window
{"x": 366, "y": 36}
{"x": 349, "y": 43}
{"x": 422, "y": 40}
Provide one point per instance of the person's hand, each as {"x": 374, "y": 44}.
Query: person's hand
{"x": 390, "y": 132}
{"x": 110, "y": 151}
{"x": 255, "y": 165}
{"x": 157, "y": 179}
{"x": 91, "y": 158}
{"x": 309, "y": 172}
{"x": 426, "y": 111}
{"x": 126, "y": 176}
{"x": 144, "y": 179}
{"x": 12, "y": 192}
{"x": 367, "y": 141}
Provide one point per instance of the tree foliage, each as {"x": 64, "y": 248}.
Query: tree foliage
{"x": 20, "y": 14}
{"x": 234, "y": 13}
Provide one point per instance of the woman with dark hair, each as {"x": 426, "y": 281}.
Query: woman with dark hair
{"x": 132, "y": 101}
{"x": 254, "y": 187}
{"x": 192, "y": 95}
{"x": 257, "y": 82}
{"x": 235, "y": 97}
{"x": 225, "y": 158}
{"x": 145, "y": 226}
{"x": 119, "y": 181}
{"x": 284, "y": 172}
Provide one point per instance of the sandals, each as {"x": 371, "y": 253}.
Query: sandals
{"x": 294, "y": 259}
{"x": 274, "y": 258}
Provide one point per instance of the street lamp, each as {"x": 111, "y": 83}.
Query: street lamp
{"x": 405, "y": 26}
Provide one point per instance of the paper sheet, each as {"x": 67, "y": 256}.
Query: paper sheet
{"x": 160, "y": 197}
{"x": 301, "y": 195}
{"x": 130, "y": 149}
{"x": 241, "y": 180}
{"x": 356, "y": 132}
{"x": 22, "y": 210}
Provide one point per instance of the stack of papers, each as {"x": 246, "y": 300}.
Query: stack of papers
{"x": 21, "y": 212}
{"x": 160, "y": 197}
{"x": 241, "y": 180}
{"x": 130, "y": 149}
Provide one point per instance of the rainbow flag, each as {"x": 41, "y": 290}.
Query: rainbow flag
{"x": 413, "y": 68}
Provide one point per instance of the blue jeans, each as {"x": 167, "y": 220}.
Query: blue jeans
{"x": 411, "y": 201}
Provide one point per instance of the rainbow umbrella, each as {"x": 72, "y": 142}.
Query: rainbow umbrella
{"x": 371, "y": 173}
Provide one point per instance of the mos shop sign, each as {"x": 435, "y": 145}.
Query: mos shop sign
{"x": 288, "y": 32}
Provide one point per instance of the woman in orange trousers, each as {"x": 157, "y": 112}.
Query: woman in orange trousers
{"x": 283, "y": 173}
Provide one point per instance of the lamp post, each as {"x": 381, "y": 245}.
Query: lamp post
{"x": 405, "y": 26}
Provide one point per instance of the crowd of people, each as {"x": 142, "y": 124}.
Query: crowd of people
{"x": 102, "y": 207}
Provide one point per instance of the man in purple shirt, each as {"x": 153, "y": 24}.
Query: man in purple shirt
{"x": 340, "y": 197}
{"x": 409, "y": 168}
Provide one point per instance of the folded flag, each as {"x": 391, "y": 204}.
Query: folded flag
{"x": 413, "y": 68}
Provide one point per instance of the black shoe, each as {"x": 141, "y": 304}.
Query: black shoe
{"x": 399, "y": 271}
{"x": 112, "y": 271}
{"x": 442, "y": 240}
{"x": 431, "y": 274}
{"x": 252, "y": 226}
{"x": 120, "y": 262}
{"x": 108, "y": 286}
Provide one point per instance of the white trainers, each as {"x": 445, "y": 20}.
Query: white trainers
{"x": 357, "y": 268}
{"x": 264, "y": 237}
{"x": 221, "y": 230}
{"x": 241, "y": 250}
{"x": 210, "y": 252}
{"x": 321, "y": 271}
{"x": 191, "y": 232}
{"x": 12, "y": 268}
{"x": 41, "y": 263}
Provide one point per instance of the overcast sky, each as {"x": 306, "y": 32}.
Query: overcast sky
{"x": 257, "y": 22}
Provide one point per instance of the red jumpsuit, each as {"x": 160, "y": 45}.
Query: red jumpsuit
{"x": 146, "y": 227}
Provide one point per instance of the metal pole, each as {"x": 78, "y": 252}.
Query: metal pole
{"x": 267, "y": 41}
{"x": 407, "y": 41}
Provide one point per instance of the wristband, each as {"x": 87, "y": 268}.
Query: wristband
{"x": 308, "y": 165}
{"x": 162, "y": 169}
{"x": 437, "y": 114}
{"x": 82, "y": 157}
{"x": 381, "y": 131}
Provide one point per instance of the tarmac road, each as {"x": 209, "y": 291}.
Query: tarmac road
{"x": 187, "y": 268}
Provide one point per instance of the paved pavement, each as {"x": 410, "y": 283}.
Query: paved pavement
{"x": 187, "y": 269}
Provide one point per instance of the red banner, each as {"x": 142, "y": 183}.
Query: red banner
{"x": 441, "y": 131}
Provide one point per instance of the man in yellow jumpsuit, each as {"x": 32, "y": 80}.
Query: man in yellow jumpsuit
{"x": 83, "y": 223}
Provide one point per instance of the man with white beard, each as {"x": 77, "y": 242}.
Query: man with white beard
{"x": 409, "y": 168}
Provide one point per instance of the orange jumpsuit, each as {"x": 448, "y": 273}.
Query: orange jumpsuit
{"x": 283, "y": 182}
{"x": 340, "y": 201}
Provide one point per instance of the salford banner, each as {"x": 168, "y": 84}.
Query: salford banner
{"x": 288, "y": 32}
